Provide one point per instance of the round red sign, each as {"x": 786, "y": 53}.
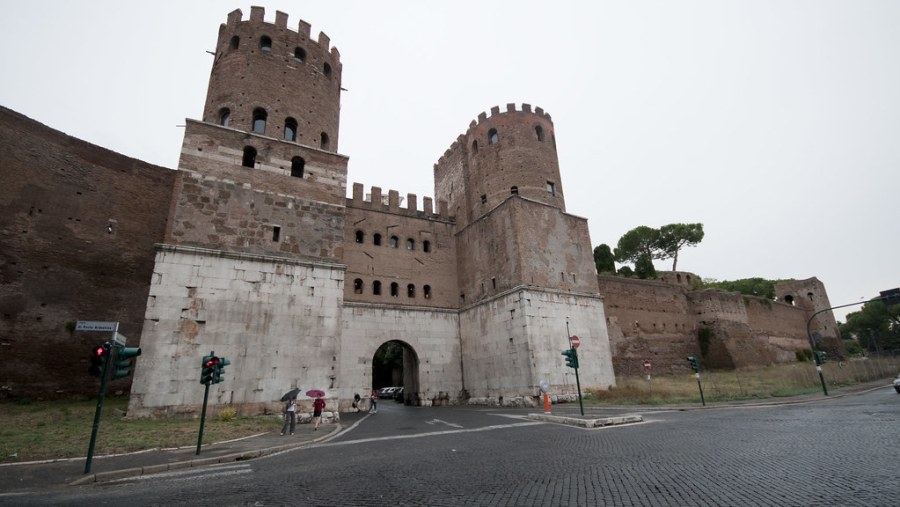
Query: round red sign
{"x": 647, "y": 364}
{"x": 575, "y": 341}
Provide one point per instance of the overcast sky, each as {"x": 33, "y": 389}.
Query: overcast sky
{"x": 774, "y": 124}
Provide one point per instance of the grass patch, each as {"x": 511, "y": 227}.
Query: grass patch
{"x": 62, "y": 429}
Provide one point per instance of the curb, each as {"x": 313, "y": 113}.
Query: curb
{"x": 199, "y": 462}
{"x": 587, "y": 423}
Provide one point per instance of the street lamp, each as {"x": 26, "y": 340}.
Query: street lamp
{"x": 812, "y": 343}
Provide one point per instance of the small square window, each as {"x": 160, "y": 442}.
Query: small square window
{"x": 483, "y": 198}
{"x": 551, "y": 188}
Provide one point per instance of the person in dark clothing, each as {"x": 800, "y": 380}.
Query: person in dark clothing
{"x": 318, "y": 405}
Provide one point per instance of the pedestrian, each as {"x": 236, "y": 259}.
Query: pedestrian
{"x": 374, "y": 398}
{"x": 318, "y": 405}
{"x": 356, "y": 400}
{"x": 290, "y": 416}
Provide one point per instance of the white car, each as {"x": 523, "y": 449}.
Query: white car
{"x": 897, "y": 384}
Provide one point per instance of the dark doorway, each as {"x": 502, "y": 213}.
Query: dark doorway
{"x": 395, "y": 364}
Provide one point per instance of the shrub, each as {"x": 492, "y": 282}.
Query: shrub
{"x": 228, "y": 413}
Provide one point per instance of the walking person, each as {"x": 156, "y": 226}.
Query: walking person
{"x": 374, "y": 398}
{"x": 318, "y": 405}
{"x": 290, "y": 416}
{"x": 356, "y": 400}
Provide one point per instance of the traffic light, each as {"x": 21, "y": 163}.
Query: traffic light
{"x": 820, "y": 356}
{"x": 123, "y": 363}
{"x": 219, "y": 369}
{"x": 694, "y": 364}
{"x": 571, "y": 358}
{"x": 99, "y": 358}
{"x": 208, "y": 369}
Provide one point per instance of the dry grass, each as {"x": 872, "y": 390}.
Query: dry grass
{"x": 776, "y": 381}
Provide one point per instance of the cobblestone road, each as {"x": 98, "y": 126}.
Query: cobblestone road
{"x": 831, "y": 452}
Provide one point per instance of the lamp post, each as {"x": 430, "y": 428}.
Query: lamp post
{"x": 812, "y": 343}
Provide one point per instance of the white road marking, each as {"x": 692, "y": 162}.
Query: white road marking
{"x": 443, "y": 422}
{"x": 433, "y": 434}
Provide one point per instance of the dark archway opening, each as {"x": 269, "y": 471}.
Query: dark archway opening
{"x": 396, "y": 365}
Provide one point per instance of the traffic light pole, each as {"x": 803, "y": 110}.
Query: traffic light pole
{"x": 702, "y": 400}
{"x": 577, "y": 381}
{"x": 104, "y": 373}
{"x": 202, "y": 418}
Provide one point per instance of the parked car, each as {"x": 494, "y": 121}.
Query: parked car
{"x": 398, "y": 395}
{"x": 897, "y": 384}
{"x": 386, "y": 392}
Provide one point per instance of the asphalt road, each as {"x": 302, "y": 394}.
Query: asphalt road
{"x": 841, "y": 451}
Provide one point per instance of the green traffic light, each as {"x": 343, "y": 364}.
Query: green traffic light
{"x": 123, "y": 361}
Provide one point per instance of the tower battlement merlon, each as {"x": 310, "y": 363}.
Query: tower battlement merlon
{"x": 510, "y": 108}
{"x": 304, "y": 29}
{"x": 392, "y": 202}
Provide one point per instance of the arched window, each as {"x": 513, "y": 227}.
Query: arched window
{"x": 514, "y": 190}
{"x": 249, "y": 157}
{"x": 395, "y": 289}
{"x": 235, "y": 42}
{"x": 290, "y": 129}
{"x": 259, "y": 120}
{"x": 394, "y": 241}
{"x": 410, "y": 291}
{"x": 426, "y": 291}
{"x": 789, "y": 300}
{"x": 360, "y": 236}
{"x": 326, "y": 69}
{"x": 224, "y": 116}
{"x": 376, "y": 288}
{"x": 493, "y": 138}
{"x": 265, "y": 43}
{"x": 299, "y": 54}
{"x": 297, "y": 165}
{"x": 324, "y": 141}
{"x": 357, "y": 286}
{"x": 376, "y": 239}
{"x": 475, "y": 147}
{"x": 426, "y": 246}
{"x": 410, "y": 244}
{"x": 539, "y": 132}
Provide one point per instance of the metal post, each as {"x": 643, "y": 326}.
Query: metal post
{"x": 202, "y": 418}
{"x": 702, "y": 400}
{"x": 577, "y": 381}
{"x": 100, "y": 394}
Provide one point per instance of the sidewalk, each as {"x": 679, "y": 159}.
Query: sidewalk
{"x": 20, "y": 477}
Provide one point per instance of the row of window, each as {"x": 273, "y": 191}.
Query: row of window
{"x": 514, "y": 190}
{"x": 265, "y": 45}
{"x": 393, "y": 242}
{"x": 249, "y": 160}
{"x": 359, "y": 288}
{"x": 260, "y": 116}
{"x": 493, "y": 137}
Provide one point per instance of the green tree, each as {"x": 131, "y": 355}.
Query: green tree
{"x": 625, "y": 271}
{"x": 604, "y": 260}
{"x": 747, "y": 286}
{"x": 641, "y": 240}
{"x": 674, "y": 237}
{"x": 643, "y": 268}
{"x": 876, "y": 326}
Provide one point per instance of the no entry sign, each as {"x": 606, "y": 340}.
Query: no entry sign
{"x": 575, "y": 341}
{"x": 647, "y": 365}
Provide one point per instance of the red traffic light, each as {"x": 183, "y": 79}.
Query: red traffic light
{"x": 211, "y": 362}
{"x": 99, "y": 351}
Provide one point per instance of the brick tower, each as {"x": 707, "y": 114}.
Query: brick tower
{"x": 250, "y": 268}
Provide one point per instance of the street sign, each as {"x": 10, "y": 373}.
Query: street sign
{"x": 647, "y": 365}
{"x": 120, "y": 339}
{"x": 95, "y": 325}
{"x": 575, "y": 341}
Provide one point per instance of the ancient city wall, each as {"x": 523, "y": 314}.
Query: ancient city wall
{"x": 77, "y": 227}
{"x": 277, "y": 320}
{"x": 513, "y": 341}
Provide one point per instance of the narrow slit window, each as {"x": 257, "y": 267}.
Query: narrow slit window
{"x": 290, "y": 129}
{"x": 326, "y": 69}
{"x": 323, "y": 142}
{"x": 259, "y": 120}
{"x": 276, "y": 233}
{"x": 297, "y": 165}
{"x": 360, "y": 236}
{"x": 395, "y": 289}
{"x": 225, "y": 117}
{"x": 376, "y": 288}
{"x": 426, "y": 246}
{"x": 376, "y": 239}
{"x": 410, "y": 244}
{"x": 539, "y": 132}
{"x": 394, "y": 241}
{"x": 299, "y": 54}
{"x": 514, "y": 190}
{"x": 265, "y": 43}
{"x": 235, "y": 42}
{"x": 551, "y": 188}
{"x": 249, "y": 159}
{"x": 493, "y": 137}
{"x": 426, "y": 291}
{"x": 358, "y": 286}
{"x": 411, "y": 291}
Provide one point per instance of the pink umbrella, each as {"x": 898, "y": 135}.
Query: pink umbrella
{"x": 315, "y": 393}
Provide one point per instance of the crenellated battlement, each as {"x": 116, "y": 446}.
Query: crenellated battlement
{"x": 391, "y": 202}
{"x": 483, "y": 117}
{"x": 257, "y": 16}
